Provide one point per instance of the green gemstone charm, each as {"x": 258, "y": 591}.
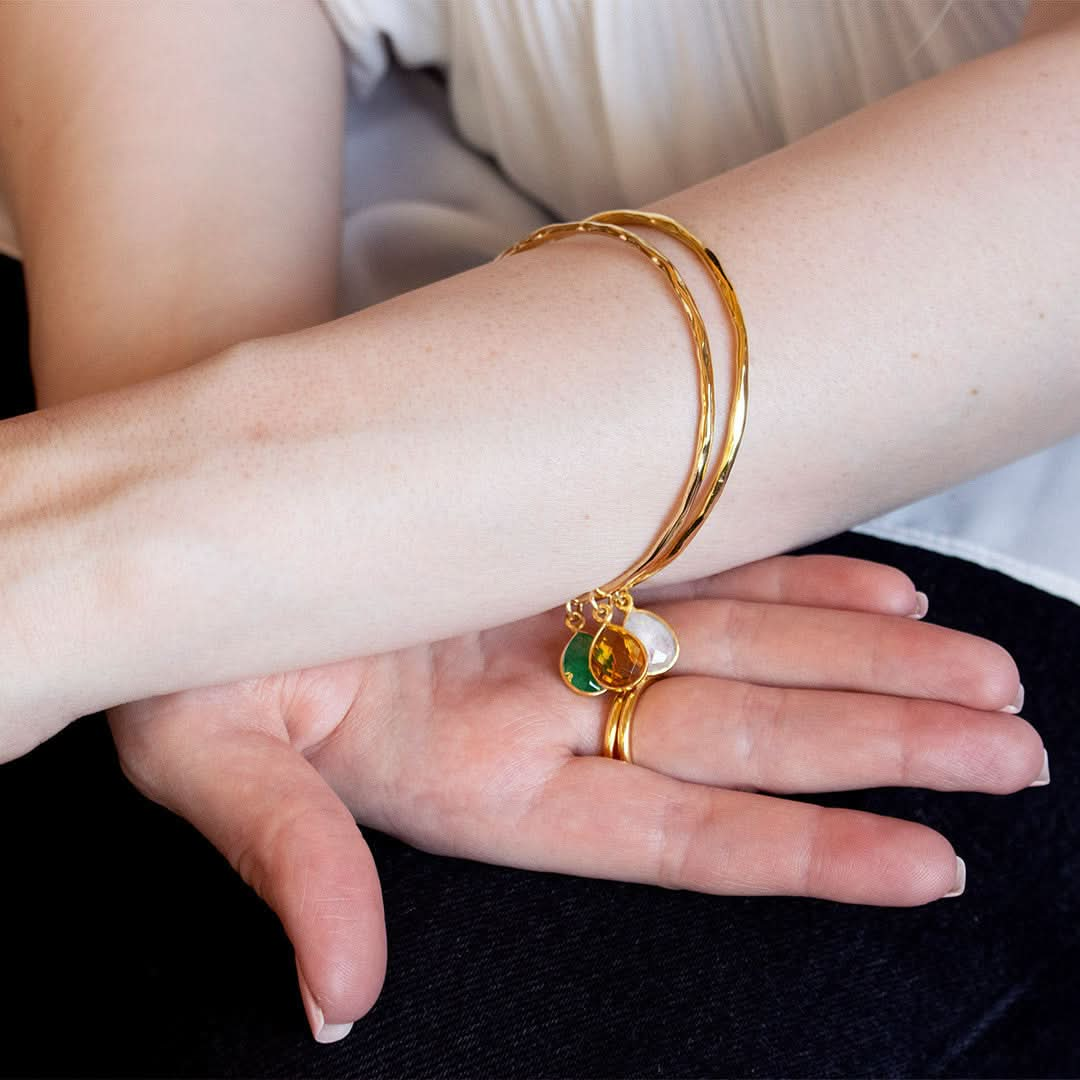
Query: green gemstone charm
{"x": 574, "y": 666}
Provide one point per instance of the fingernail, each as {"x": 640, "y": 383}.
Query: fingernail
{"x": 922, "y": 606}
{"x": 1018, "y": 704}
{"x": 1044, "y": 776}
{"x": 323, "y": 1032}
{"x": 961, "y": 879}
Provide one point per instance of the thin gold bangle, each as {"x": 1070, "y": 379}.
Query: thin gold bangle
{"x": 703, "y": 353}
{"x": 737, "y": 408}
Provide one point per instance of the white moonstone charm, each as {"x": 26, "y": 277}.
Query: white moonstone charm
{"x": 658, "y": 638}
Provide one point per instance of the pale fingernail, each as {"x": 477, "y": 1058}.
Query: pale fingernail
{"x": 1018, "y": 704}
{"x": 922, "y": 606}
{"x": 961, "y": 879}
{"x": 1044, "y": 775}
{"x": 323, "y": 1032}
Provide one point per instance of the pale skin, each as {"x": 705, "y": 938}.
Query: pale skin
{"x": 133, "y": 510}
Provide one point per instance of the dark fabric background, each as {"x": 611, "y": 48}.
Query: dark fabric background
{"x": 133, "y": 949}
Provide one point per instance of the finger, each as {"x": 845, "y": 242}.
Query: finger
{"x": 731, "y": 734}
{"x": 264, "y": 806}
{"x": 828, "y": 581}
{"x": 609, "y": 819}
{"x": 787, "y": 645}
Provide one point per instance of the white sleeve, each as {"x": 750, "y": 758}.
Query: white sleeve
{"x": 414, "y": 29}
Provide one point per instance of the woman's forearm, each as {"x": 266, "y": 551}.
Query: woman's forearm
{"x": 486, "y": 446}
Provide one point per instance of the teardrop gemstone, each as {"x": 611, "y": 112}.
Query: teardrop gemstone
{"x": 574, "y": 666}
{"x": 617, "y": 660}
{"x": 658, "y": 638}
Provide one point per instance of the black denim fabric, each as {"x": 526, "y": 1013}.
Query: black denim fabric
{"x": 133, "y": 949}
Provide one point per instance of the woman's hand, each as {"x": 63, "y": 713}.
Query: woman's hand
{"x": 795, "y": 675}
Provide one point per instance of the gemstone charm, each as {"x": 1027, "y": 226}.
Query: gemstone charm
{"x": 617, "y": 660}
{"x": 574, "y": 666}
{"x": 657, "y": 637}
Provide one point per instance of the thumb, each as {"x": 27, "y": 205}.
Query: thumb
{"x": 269, "y": 812}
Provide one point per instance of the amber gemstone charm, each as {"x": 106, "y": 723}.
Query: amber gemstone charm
{"x": 617, "y": 660}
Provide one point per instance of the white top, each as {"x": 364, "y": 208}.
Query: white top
{"x": 555, "y": 109}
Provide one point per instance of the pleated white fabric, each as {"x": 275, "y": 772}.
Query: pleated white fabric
{"x": 557, "y": 108}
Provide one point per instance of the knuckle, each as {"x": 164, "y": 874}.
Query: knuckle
{"x": 878, "y": 654}
{"x": 759, "y": 731}
{"x": 683, "y": 824}
{"x": 912, "y": 743}
{"x": 254, "y": 854}
{"x": 787, "y": 571}
{"x": 934, "y": 743}
{"x": 261, "y": 852}
{"x": 740, "y": 630}
{"x": 814, "y": 873}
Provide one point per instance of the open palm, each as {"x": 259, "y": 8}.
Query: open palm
{"x": 795, "y": 675}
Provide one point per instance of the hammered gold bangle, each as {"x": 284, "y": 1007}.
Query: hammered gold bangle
{"x": 736, "y": 416}
{"x": 623, "y": 657}
{"x": 700, "y": 338}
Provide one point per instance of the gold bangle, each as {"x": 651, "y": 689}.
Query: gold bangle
{"x": 736, "y": 417}
{"x": 620, "y": 657}
{"x": 700, "y": 338}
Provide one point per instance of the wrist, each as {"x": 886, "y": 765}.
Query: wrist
{"x": 75, "y": 481}
{"x": 46, "y": 575}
